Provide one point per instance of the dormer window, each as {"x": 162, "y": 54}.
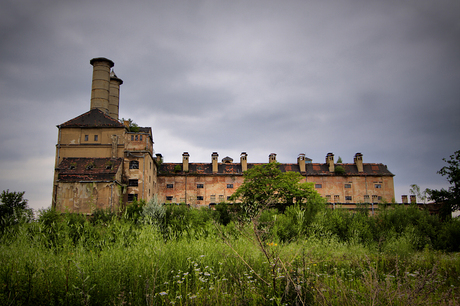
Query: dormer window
{"x": 72, "y": 167}
{"x": 89, "y": 167}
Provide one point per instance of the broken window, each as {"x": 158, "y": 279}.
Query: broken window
{"x": 134, "y": 164}
{"x": 136, "y": 137}
{"x": 229, "y": 185}
{"x": 133, "y": 183}
{"x": 347, "y": 198}
{"x": 199, "y": 186}
{"x": 169, "y": 198}
{"x": 169, "y": 185}
{"x": 132, "y": 197}
{"x": 378, "y": 185}
{"x": 199, "y": 198}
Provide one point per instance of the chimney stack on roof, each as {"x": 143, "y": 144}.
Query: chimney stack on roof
{"x": 272, "y": 158}
{"x": 330, "y": 161}
{"x": 215, "y": 162}
{"x": 301, "y": 162}
{"x": 100, "y": 87}
{"x": 359, "y": 162}
{"x": 244, "y": 161}
{"x": 114, "y": 95}
{"x": 185, "y": 157}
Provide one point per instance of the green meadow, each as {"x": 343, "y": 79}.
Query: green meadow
{"x": 163, "y": 255}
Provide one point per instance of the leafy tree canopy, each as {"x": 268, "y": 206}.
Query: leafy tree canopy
{"x": 266, "y": 185}
{"x": 451, "y": 196}
{"x": 133, "y": 127}
{"x": 13, "y": 208}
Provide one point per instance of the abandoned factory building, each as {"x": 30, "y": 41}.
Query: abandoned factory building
{"x": 103, "y": 163}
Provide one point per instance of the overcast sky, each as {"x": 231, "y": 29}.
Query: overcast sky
{"x": 286, "y": 77}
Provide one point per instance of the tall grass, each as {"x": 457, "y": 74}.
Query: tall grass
{"x": 191, "y": 258}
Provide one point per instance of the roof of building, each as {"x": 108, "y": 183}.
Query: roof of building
{"x": 311, "y": 169}
{"x": 91, "y": 119}
{"x": 88, "y": 169}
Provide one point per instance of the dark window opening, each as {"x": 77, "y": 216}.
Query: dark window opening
{"x": 199, "y": 198}
{"x": 199, "y": 186}
{"x": 132, "y": 197}
{"x": 169, "y": 186}
{"x": 378, "y": 186}
{"x": 229, "y": 185}
{"x": 140, "y": 137}
{"x": 132, "y": 137}
{"x": 134, "y": 164}
{"x": 72, "y": 167}
{"x": 133, "y": 183}
{"x": 86, "y": 137}
{"x": 347, "y": 185}
{"x": 136, "y": 137}
{"x": 318, "y": 185}
{"x": 95, "y": 137}
{"x": 347, "y": 198}
{"x": 169, "y": 198}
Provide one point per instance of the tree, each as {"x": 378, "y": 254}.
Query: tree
{"x": 415, "y": 190}
{"x": 266, "y": 185}
{"x": 451, "y": 196}
{"x": 339, "y": 161}
{"x": 13, "y": 209}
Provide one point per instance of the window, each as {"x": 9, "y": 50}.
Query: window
{"x": 108, "y": 166}
{"x": 134, "y": 164}
{"x": 95, "y": 137}
{"x": 378, "y": 185}
{"x": 199, "y": 198}
{"x": 199, "y": 186}
{"x": 133, "y": 182}
{"x": 213, "y": 198}
{"x": 229, "y": 185}
{"x": 221, "y": 198}
{"x": 89, "y": 166}
{"x": 347, "y": 198}
{"x": 132, "y": 137}
{"x": 336, "y": 198}
{"x": 379, "y": 198}
{"x": 366, "y": 198}
{"x": 328, "y": 198}
{"x": 169, "y": 185}
{"x": 86, "y": 137}
{"x": 228, "y": 198}
{"x": 136, "y": 137}
{"x": 375, "y": 199}
{"x": 318, "y": 185}
{"x": 347, "y": 185}
{"x": 132, "y": 197}
{"x": 169, "y": 198}
{"x": 140, "y": 137}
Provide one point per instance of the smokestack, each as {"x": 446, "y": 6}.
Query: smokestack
{"x": 185, "y": 157}
{"x": 244, "y": 161}
{"x": 359, "y": 162}
{"x": 215, "y": 164}
{"x": 301, "y": 162}
{"x": 330, "y": 161}
{"x": 101, "y": 83}
{"x": 114, "y": 95}
{"x": 272, "y": 158}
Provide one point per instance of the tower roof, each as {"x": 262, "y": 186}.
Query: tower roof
{"x": 92, "y": 118}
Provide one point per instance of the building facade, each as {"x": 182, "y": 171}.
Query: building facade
{"x": 103, "y": 163}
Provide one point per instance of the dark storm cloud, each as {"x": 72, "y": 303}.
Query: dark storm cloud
{"x": 377, "y": 77}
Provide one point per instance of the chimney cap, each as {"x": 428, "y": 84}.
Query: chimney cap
{"x": 214, "y": 153}
{"x": 185, "y": 154}
{"x": 243, "y": 154}
{"x": 114, "y": 77}
{"x": 101, "y": 59}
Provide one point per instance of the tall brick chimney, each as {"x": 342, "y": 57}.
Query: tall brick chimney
{"x": 272, "y": 158}
{"x": 114, "y": 95}
{"x": 215, "y": 162}
{"x": 185, "y": 157}
{"x": 330, "y": 161}
{"x": 101, "y": 83}
{"x": 244, "y": 161}
{"x": 301, "y": 162}
{"x": 359, "y": 162}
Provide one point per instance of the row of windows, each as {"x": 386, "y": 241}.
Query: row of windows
{"x": 347, "y": 185}
{"x": 197, "y": 185}
{"x": 375, "y": 198}
{"x": 136, "y": 137}
{"x": 96, "y": 137}
{"x": 212, "y": 198}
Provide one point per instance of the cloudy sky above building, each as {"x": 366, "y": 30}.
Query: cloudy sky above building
{"x": 286, "y": 77}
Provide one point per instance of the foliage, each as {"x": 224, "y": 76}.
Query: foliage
{"x": 13, "y": 210}
{"x": 415, "y": 190}
{"x": 339, "y": 160}
{"x": 132, "y": 127}
{"x": 339, "y": 170}
{"x": 134, "y": 210}
{"x": 451, "y": 196}
{"x": 266, "y": 185}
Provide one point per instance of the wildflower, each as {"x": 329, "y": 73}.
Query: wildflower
{"x": 207, "y": 274}
{"x": 186, "y": 273}
{"x": 192, "y": 296}
{"x": 201, "y": 256}
{"x": 163, "y": 293}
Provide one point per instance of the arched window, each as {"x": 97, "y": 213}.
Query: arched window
{"x": 134, "y": 164}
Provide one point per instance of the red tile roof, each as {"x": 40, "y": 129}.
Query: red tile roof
{"x": 88, "y": 169}
{"x": 93, "y": 118}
